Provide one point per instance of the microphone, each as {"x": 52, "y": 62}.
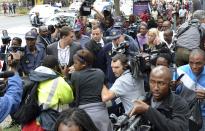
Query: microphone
{"x": 6, "y": 74}
{"x": 179, "y": 78}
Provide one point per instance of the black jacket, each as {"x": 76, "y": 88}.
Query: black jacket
{"x": 45, "y": 41}
{"x": 171, "y": 115}
{"x": 97, "y": 51}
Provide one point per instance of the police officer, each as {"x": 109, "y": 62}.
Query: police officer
{"x": 33, "y": 54}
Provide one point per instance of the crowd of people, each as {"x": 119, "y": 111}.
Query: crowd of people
{"x": 9, "y": 8}
{"x": 83, "y": 74}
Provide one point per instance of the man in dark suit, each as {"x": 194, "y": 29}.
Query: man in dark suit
{"x": 95, "y": 45}
{"x": 64, "y": 49}
{"x": 43, "y": 36}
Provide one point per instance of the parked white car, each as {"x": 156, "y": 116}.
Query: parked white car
{"x": 45, "y": 11}
{"x": 60, "y": 18}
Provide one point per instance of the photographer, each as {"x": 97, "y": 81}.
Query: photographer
{"x": 164, "y": 110}
{"x": 4, "y": 49}
{"x": 16, "y": 48}
{"x": 125, "y": 87}
{"x": 118, "y": 45}
{"x": 13, "y": 91}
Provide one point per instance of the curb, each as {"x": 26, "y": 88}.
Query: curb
{"x": 12, "y": 15}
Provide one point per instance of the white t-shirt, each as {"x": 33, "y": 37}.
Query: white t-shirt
{"x": 182, "y": 12}
{"x": 154, "y": 14}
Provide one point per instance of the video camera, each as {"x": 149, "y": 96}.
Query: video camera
{"x": 139, "y": 63}
{"x": 5, "y": 38}
{"x": 16, "y": 48}
{"x": 126, "y": 123}
{"x": 133, "y": 29}
{"x": 86, "y": 7}
{"x": 122, "y": 48}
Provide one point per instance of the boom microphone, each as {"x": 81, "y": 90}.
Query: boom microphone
{"x": 6, "y": 74}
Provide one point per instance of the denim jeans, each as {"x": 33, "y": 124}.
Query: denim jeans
{"x": 203, "y": 126}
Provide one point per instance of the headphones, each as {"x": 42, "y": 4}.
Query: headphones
{"x": 126, "y": 66}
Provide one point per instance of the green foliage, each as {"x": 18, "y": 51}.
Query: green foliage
{"x": 22, "y": 10}
{"x": 13, "y": 128}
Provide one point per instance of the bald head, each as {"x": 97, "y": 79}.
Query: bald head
{"x": 159, "y": 82}
{"x": 159, "y": 71}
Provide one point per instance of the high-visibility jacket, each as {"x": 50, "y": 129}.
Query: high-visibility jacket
{"x": 61, "y": 93}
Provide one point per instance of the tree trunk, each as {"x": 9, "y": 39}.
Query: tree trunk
{"x": 117, "y": 7}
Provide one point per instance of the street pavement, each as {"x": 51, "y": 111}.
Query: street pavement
{"x": 16, "y": 26}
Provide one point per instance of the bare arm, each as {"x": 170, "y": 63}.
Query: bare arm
{"x": 107, "y": 94}
{"x": 101, "y": 16}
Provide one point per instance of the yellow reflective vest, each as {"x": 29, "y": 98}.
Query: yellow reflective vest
{"x": 62, "y": 94}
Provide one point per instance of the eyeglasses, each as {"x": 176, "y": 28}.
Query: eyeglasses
{"x": 159, "y": 83}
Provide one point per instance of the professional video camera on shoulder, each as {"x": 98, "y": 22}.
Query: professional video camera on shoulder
{"x": 16, "y": 48}
{"x": 5, "y": 38}
{"x": 133, "y": 29}
{"x": 122, "y": 48}
{"x": 86, "y": 7}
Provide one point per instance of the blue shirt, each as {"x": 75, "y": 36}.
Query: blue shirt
{"x": 31, "y": 61}
{"x": 192, "y": 81}
{"x": 12, "y": 98}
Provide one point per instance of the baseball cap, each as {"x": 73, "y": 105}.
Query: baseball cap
{"x": 77, "y": 27}
{"x": 31, "y": 35}
{"x": 115, "y": 33}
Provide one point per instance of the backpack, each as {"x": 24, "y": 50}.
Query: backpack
{"x": 29, "y": 108}
{"x": 201, "y": 28}
{"x": 195, "y": 119}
